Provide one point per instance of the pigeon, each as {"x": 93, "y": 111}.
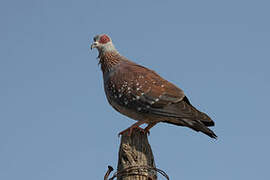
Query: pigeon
{"x": 141, "y": 94}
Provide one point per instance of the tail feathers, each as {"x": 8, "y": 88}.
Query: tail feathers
{"x": 199, "y": 126}
{"x": 195, "y": 125}
{"x": 204, "y": 118}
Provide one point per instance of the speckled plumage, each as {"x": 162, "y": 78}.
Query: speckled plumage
{"x": 143, "y": 95}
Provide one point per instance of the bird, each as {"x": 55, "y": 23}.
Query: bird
{"x": 142, "y": 95}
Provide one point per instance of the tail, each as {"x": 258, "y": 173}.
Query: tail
{"x": 198, "y": 120}
{"x": 195, "y": 125}
{"x": 204, "y": 118}
{"x": 199, "y": 126}
{"x": 184, "y": 114}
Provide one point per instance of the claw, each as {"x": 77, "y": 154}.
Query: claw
{"x": 137, "y": 126}
{"x": 130, "y": 130}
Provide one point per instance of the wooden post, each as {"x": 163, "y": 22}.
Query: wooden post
{"x": 136, "y": 158}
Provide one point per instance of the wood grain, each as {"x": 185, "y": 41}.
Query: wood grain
{"x": 135, "y": 154}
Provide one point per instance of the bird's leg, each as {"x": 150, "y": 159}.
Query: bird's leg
{"x": 130, "y": 129}
{"x": 150, "y": 125}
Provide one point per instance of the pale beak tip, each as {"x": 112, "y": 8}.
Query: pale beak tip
{"x": 94, "y": 45}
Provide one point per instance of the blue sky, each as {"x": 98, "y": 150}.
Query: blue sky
{"x": 55, "y": 122}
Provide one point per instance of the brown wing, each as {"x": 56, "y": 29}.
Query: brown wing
{"x": 144, "y": 87}
{"x": 143, "y": 90}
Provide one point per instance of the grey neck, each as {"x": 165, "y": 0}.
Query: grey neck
{"x": 109, "y": 47}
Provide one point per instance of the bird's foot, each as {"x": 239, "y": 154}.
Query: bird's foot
{"x": 130, "y": 129}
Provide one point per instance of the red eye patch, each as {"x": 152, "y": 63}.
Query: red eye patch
{"x": 104, "y": 39}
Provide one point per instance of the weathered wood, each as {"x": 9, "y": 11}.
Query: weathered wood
{"x": 135, "y": 155}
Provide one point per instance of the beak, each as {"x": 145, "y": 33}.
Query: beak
{"x": 94, "y": 45}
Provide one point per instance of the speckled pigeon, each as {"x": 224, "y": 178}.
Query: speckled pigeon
{"x": 141, "y": 94}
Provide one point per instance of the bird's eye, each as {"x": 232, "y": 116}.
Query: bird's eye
{"x": 104, "y": 39}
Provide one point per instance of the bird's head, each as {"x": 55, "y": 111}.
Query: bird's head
{"x": 103, "y": 43}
